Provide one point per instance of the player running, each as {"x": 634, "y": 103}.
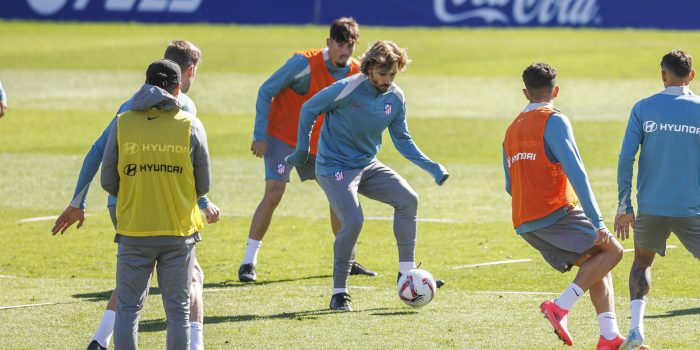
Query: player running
{"x": 666, "y": 126}
{"x": 187, "y": 56}
{"x": 544, "y": 175}
{"x": 358, "y": 109}
{"x": 277, "y": 117}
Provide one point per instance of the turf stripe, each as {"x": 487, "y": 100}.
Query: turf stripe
{"x": 492, "y": 263}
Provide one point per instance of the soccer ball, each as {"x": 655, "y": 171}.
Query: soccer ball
{"x": 416, "y": 287}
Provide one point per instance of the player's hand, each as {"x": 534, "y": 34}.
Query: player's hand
{"x": 69, "y": 216}
{"x": 623, "y": 222}
{"x": 297, "y": 158}
{"x": 3, "y": 108}
{"x": 258, "y": 148}
{"x": 603, "y": 236}
{"x": 212, "y": 213}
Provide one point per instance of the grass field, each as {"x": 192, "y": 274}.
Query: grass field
{"x": 65, "y": 81}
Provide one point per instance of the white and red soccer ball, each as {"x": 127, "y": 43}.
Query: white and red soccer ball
{"x": 416, "y": 287}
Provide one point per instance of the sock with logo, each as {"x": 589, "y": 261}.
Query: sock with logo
{"x": 608, "y": 325}
{"x": 103, "y": 335}
{"x": 569, "y": 296}
{"x": 251, "y": 252}
{"x": 637, "y": 307}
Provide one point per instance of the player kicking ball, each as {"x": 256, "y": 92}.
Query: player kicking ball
{"x": 358, "y": 109}
{"x": 546, "y": 179}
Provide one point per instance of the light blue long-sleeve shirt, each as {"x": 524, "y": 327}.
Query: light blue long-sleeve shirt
{"x": 560, "y": 147}
{"x": 356, "y": 115}
{"x": 93, "y": 158}
{"x": 295, "y": 74}
{"x": 667, "y": 127}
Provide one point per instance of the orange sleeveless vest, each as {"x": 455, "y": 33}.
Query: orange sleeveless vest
{"x": 283, "y": 118}
{"x": 538, "y": 186}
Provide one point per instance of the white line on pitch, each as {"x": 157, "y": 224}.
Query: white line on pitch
{"x": 629, "y": 250}
{"x": 370, "y": 218}
{"x": 513, "y": 292}
{"x": 492, "y": 263}
{"x": 26, "y": 305}
{"x": 41, "y": 218}
{"x": 391, "y": 218}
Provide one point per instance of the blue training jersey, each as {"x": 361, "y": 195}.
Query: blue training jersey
{"x": 560, "y": 147}
{"x": 356, "y": 115}
{"x": 93, "y": 158}
{"x": 666, "y": 126}
{"x": 295, "y": 74}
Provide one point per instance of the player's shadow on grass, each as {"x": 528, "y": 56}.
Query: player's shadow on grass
{"x": 236, "y": 284}
{"x": 104, "y": 296}
{"x": 158, "y": 325}
{"x": 675, "y": 313}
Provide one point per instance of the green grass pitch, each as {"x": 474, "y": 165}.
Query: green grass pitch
{"x": 65, "y": 81}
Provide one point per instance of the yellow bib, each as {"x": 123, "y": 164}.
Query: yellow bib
{"x": 157, "y": 195}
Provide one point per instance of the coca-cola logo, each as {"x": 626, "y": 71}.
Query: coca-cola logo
{"x": 519, "y": 12}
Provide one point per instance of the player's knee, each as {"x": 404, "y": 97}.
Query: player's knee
{"x": 408, "y": 201}
{"x": 273, "y": 195}
{"x": 354, "y": 225}
{"x": 198, "y": 277}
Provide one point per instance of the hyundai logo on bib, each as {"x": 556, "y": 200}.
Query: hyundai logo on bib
{"x": 50, "y": 7}
{"x": 519, "y": 12}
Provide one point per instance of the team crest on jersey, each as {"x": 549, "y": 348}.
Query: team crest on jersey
{"x": 281, "y": 167}
{"x": 387, "y": 108}
{"x": 338, "y": 176}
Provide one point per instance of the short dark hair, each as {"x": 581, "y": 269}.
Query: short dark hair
{"x": 184, "y": 53}
{"x": 345, "y": 30}
{"x": 164, "y": 74}
{"x": 538, "y": 76}
{"x": 678, "y": 62}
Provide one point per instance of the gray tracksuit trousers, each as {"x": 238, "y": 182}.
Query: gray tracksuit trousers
{"x": 135, "y": 264}
{"x": 378, "y": 182}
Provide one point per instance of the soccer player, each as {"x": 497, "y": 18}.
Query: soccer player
{"x": 156, "y": 162}
{"x": 546, "y": 178}
{"x": 358, "y": 109}
{"x": 187, "y": 56}
{"x": 277, "y": 117}
{"x": 666, "y": 126}
{"x": 3, "y": 101}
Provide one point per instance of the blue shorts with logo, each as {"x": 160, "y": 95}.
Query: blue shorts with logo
{"x": 277, "y": 169}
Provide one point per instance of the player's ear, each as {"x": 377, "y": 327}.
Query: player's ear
{"x": 177, "y": 89}
{"x": 526, "y": 94}
{"x": 692, "y": 75}
{"x": 328, "y": 42}
{"x": 190, "y": 70}
{"x": 664, "y": 75}
{"x": 555, "y": 92}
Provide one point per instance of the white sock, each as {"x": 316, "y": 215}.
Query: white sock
{"x": 406, "y": 265}
{"x": 251, "y": 252}
{"x": 637, "y": 312}
{"x": 569, "y": 296}
{"x": 340, "y": 290}
{"x": 103, "y": 335}
{"x": 608, "y": 325}
{"x": 196, "y": 336}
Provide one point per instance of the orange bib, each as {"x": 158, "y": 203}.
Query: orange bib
{"x": 538, "y": 186}
{"x": 283, "y": 118}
